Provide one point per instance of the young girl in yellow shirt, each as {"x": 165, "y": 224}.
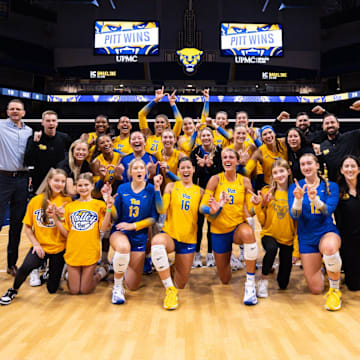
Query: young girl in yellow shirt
{"x": 46, "y": 240}
{"x": 278, "y": 228}
{"x": 85, "y": 218}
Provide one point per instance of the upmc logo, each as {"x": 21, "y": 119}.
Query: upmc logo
{"x": 265, "y": 75}
{"x": 83, "y": 220}
{"x": 93, "y": 74}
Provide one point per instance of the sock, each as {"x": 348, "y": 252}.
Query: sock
{"x": 334, "y": 284}
{"x": 168, "y": 282}
{"x": 119, "y": 282}
{"x": 250, "y": 277}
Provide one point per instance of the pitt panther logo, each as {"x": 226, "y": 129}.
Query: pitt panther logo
{"x": 190, "y": 58}
{"x": 83, "y": 220}
{"x": 281, "y": 210}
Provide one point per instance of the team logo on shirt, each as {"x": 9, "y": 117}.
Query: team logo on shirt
{"x": 281, "y": 210}
{"x": 39, "y": 213}
{"x": 83, "y": 220}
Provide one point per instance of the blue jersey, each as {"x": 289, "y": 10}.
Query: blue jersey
{"x": 132, "y": 207}
{"x": 128, "y": 158}
{"x": 312, "y": 223}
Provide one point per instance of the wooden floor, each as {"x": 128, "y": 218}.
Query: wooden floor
{"x": 210, "y": 323}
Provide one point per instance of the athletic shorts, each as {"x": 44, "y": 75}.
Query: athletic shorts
{"x": 137, "y": 239}
{"x": 181, "y": 247}
{"x": 313, "y": 247}
{"x": 222, "y": 243}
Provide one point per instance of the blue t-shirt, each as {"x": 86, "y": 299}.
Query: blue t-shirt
{"x": 312, "y": 223}
{"x": 133, "y": 207}
{"x": 128, "y": 158}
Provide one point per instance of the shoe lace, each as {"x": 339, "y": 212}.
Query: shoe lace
{"x": 332, "y": 292}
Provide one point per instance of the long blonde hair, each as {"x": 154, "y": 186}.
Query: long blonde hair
{"x": 72, "y": 165}
{"x": 48, "y": 192}
{"x": 213, "y": 146}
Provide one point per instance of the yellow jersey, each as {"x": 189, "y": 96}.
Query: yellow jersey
{"x": 171, "y": 161}
{"x": 186, "y": 139}
{"x": 220, "y": 140}
{"x": 48, "y": 235}
{"x": 269, "y": 157}
{"x": 232, "y": 213}
{"x": 110, "y": 172}
{"x": 122, "y": 145}
{"x": 153, "y": 144}
{"x": 91, "y": 138}
{"x": 182, "y": 213}
{"x": 83, "y": 220}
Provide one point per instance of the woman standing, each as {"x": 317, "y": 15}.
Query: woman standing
{"x": 206, "y": 158}
{"x": 347, "y": 219}
{"x": 312, "y": 202}
{"x": 76, "y": 164}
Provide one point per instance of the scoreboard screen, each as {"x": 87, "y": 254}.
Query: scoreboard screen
{"x": 251, "y": 39}
{"x": 126, "y": 38}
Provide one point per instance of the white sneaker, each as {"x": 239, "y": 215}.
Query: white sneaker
{"x": 262, "y": 289}
{"x": 197, "y": 260}
{"x": 118, "y": 295}
{"x": 35, "y": 278}
{"x": 210, "y": 260}
{"x": 250, "y": 293}
{"x": 235, "y": 263}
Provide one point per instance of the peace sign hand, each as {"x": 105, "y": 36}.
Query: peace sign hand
{"x": 267, "y": 197}
{"x": 244, "y": 156}
{"x": 312, "y": 192}
{"x": 206, "y": 94}
{"x": 255, "y": 199}
{"x": 200, "y": 161}
{"x": 172, "y": 98}
{"x": 159, "y": 94}
{"x": 299, "y": 191}
{"x": 60, "y": 211}
{"x": 158, "y": 179}
{"x": 110, "y": 201}
{"x": 151, "y": 167}
{"x": 251, "y": 131}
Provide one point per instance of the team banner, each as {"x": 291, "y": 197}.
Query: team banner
{"x": 126, "y": 38}
{"x": 213, "y": 99}
{"x": 251, "y": 39}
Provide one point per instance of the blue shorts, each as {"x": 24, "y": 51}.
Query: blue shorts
{"x": 137, "y": 239}
{"x": 222, "y": 243}
{"x": 313, "y": 247}
{"x": 181, "y": 247}
{"x": 184, "y": 248}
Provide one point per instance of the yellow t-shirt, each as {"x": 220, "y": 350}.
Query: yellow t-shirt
{"x": 182, "y": 213}
{"x": 91, "y": 138}
{"x": 171, "y": 161}
{"x": 269, "y": 157}
{"x": 275, "y": 219}
{"x": 232, "y": 213}
{"x": 48, "y": 236}
{"x": 83, "y": 221}
{"x": 122, "y": 145}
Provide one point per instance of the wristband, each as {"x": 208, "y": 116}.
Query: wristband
{"x": 318, "y": 203}
{"x": 108, "y": 210}
{"x": 60, "y": 218}
{"x": 297, "y": 205}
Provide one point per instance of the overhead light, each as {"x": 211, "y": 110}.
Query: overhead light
{"x": 95, "y": 3}
{"x": 189, "y": 85}
{"x": 121, "y": 85}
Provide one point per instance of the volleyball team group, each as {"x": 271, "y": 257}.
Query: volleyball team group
{"x": 148, "y": 194}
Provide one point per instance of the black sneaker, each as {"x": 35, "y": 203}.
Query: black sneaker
{"x": 7, "y": 298}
